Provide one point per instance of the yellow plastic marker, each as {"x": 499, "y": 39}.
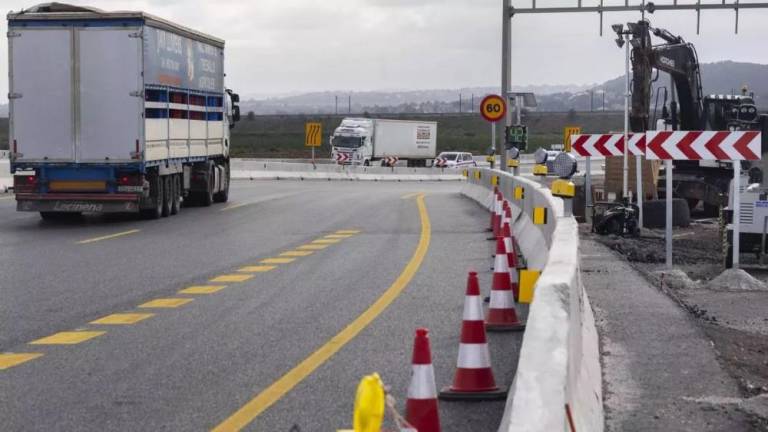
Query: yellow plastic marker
{"x": 9, "y": 360}
{"x": 277, "y": 260}
{"x": 326, "y": 241}
{"x": 165, "y": 303}
{"x": 540, "y": 216}
{"x": 256, "y": 269}
{"x": 231, "y": 278}
{"x": 369, "y": 404}
{"x": 540, "y": 170}
{"x": 296, "y": 253}
{"x": 67, "y": 338}
{"x": 528, "y": 280}
{"x": 122, "y": 318}
{"x": 494, "y": 180}
{"x": 313, "y": 247}
{"x": 202, "y": 289}
{"x": 519, "y": 192}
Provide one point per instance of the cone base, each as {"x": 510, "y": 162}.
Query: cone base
{"x": 505, "y": 327}
{"x": 491, "y": 238}
{"x": 449, "y": 394}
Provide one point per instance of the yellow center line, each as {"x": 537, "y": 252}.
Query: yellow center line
{"x": 234, "y": 206}
{"x": 410, "y": 195}
{"x": 248, "y": 412}
{"x": 107, "y": 237}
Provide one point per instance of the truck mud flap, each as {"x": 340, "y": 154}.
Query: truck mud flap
{"x": 68, "y": 206}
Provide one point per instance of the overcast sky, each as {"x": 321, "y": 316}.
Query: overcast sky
{"x": 287, "y": 46}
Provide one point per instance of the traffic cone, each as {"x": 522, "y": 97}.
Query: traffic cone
{"x": 492, "y": 207}
{"x": 474, "y": 377}
{"x": 513, "y": 250}
{"x": 509, "y": 245}
{"x": 502, "y": 315}
{"x": 421, "y": 407}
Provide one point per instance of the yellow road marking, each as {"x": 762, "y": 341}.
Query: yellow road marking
{"x": 326, "y": 241}
{"x": 339, "y": 236}
{"x": 108, "y": 237}
{"x": 411, "y": 195}
{"x": 123, "y": 318}
{"x": 234, "y": 206}
{"x": 9, "y": 360}
{"x": 296, "y": 253}
{"x": 232, "y": 278}
{"x": 348, "y": 232}
{"x": 256, "y": 269}
{"x": 202, "y": 289}
{"x": 313, "y": 247}
{"x": 248, "y": 412}
{"x": 165, "y": 303}
{"x": 67, "y": 338}
{"x": 277, "y": 260}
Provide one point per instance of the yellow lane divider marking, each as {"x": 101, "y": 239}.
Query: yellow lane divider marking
{"x": 165, "y": 303}
{"x": 248, "y": 412}
{"x": 67, "y": 338}
{"x": 277, "y": 260}
{"x": 348, "y": 232}
{"x": 9, "y": 360}
{"x": 234, "y": 206}
{"x": 123, "y": 318}
{"x": 108, "y": 237}
{"x": 257, "y": 269}
{"x": 411, "y": 195}
{"x": 202, "y": 289}
{"x": 339, "y": 236}
{"x": 296, "y": 253}
{"x": 326, "y": 241}
{"x": 313, "y": 247}
{"x": 231, "y": 278}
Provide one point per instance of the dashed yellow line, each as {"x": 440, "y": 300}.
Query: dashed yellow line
{"x": 234, "y": 206}
{"x": 339, "y": 236}
{"x": 202, "y": 289}
{"x": 122, "y": 318}
{"x": 326, "y": 241}
{"x": 313, "y": 247}
{"x": 67, "y": 338}
{"x": 248, "y": 412}
{"x": 348, "y": 232}
{"x": 165, "y": 303}
{"x": 277, "y": 261}
{"x": 257, "y": 269}
{"x": 231, "y": 278}
{"x": 108, "y": 237}
{"x": 9, "y": 360}
{"x": 296, "y": 253}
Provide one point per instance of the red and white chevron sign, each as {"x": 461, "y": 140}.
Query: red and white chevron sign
{"x": 608, "y": 144}
{"x": 342, "y": 157}
{"x": 704, "y": 145}
{"x": 391, "y": 160}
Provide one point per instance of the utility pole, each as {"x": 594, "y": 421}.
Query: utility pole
{"x": 337, "y": 105}
{"x": 349, "y": 104}
{"x": 459, "y": 103}
{"x": 506, "y": 66}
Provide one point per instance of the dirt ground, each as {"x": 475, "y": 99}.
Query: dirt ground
{"x": 736, "y": 320}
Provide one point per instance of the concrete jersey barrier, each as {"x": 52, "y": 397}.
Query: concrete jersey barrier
{"x": 558, "y": 383}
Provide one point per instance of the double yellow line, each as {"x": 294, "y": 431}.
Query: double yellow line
{"x": 248, "y": 412}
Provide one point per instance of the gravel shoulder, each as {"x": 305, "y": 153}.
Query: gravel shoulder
{"x": 730, "y": 310}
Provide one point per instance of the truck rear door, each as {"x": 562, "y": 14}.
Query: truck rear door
{"x": 41, "y": 94}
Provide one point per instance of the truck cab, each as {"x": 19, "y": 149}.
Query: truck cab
{"x": 352, "y": 142}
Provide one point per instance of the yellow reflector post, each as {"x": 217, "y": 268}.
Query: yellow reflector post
{"x": 528, "y": 280}
{"x": 494, "y": 180}
{"x": 478, "y": 175}
{"x": 519, "y": 192}
{"x": 540, "y": 216}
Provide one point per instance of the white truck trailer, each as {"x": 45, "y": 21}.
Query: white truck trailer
{"x": 115, "y": 112}
{"x": 363, "y": 141}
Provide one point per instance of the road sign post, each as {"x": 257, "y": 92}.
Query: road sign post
{"x": 705, "y": 145}
{"x": 313, "y": 136}
{"x": 493, "y": 109}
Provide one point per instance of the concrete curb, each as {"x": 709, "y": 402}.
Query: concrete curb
{"x": 559, "y": 367}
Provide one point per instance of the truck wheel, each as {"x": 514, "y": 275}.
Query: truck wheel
{"x": 156, "y": 191}
{"x": 176, "y": 193}
{"x": 223, "y": 196}
{"x": 206, "y": 196}
{"x": 167, "y": 195}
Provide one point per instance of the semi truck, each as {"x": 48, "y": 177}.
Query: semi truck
{"x": 115, "y": 112}
{"x": 363, "y": 141}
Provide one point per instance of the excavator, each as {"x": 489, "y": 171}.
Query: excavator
{"x": 695, "y": 181}
{"x": 708, "y": 182}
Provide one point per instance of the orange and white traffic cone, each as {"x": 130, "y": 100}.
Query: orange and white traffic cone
{"x": 496, "y": 216}
{"x": 509, "y": 245}
{"x": 421, "y": 407}
{"x": 474, "y": 377}
{"x": 502, "y": 315}
{"x": 492, "y": 207}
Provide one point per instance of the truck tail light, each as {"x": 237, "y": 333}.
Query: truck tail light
{"x": 24, "y": 183}
{"x": 129, "y": 179}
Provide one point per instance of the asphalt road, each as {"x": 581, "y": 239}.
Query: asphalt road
{"x": 200, "y": 358}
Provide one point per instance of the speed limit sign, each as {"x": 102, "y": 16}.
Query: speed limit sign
{"x": 493, "y": 108}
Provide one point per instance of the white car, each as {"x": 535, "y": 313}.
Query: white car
{"x": 454, "y": 160}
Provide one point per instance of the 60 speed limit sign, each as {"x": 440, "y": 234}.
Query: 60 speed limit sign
{"x": 493, "y": 108}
